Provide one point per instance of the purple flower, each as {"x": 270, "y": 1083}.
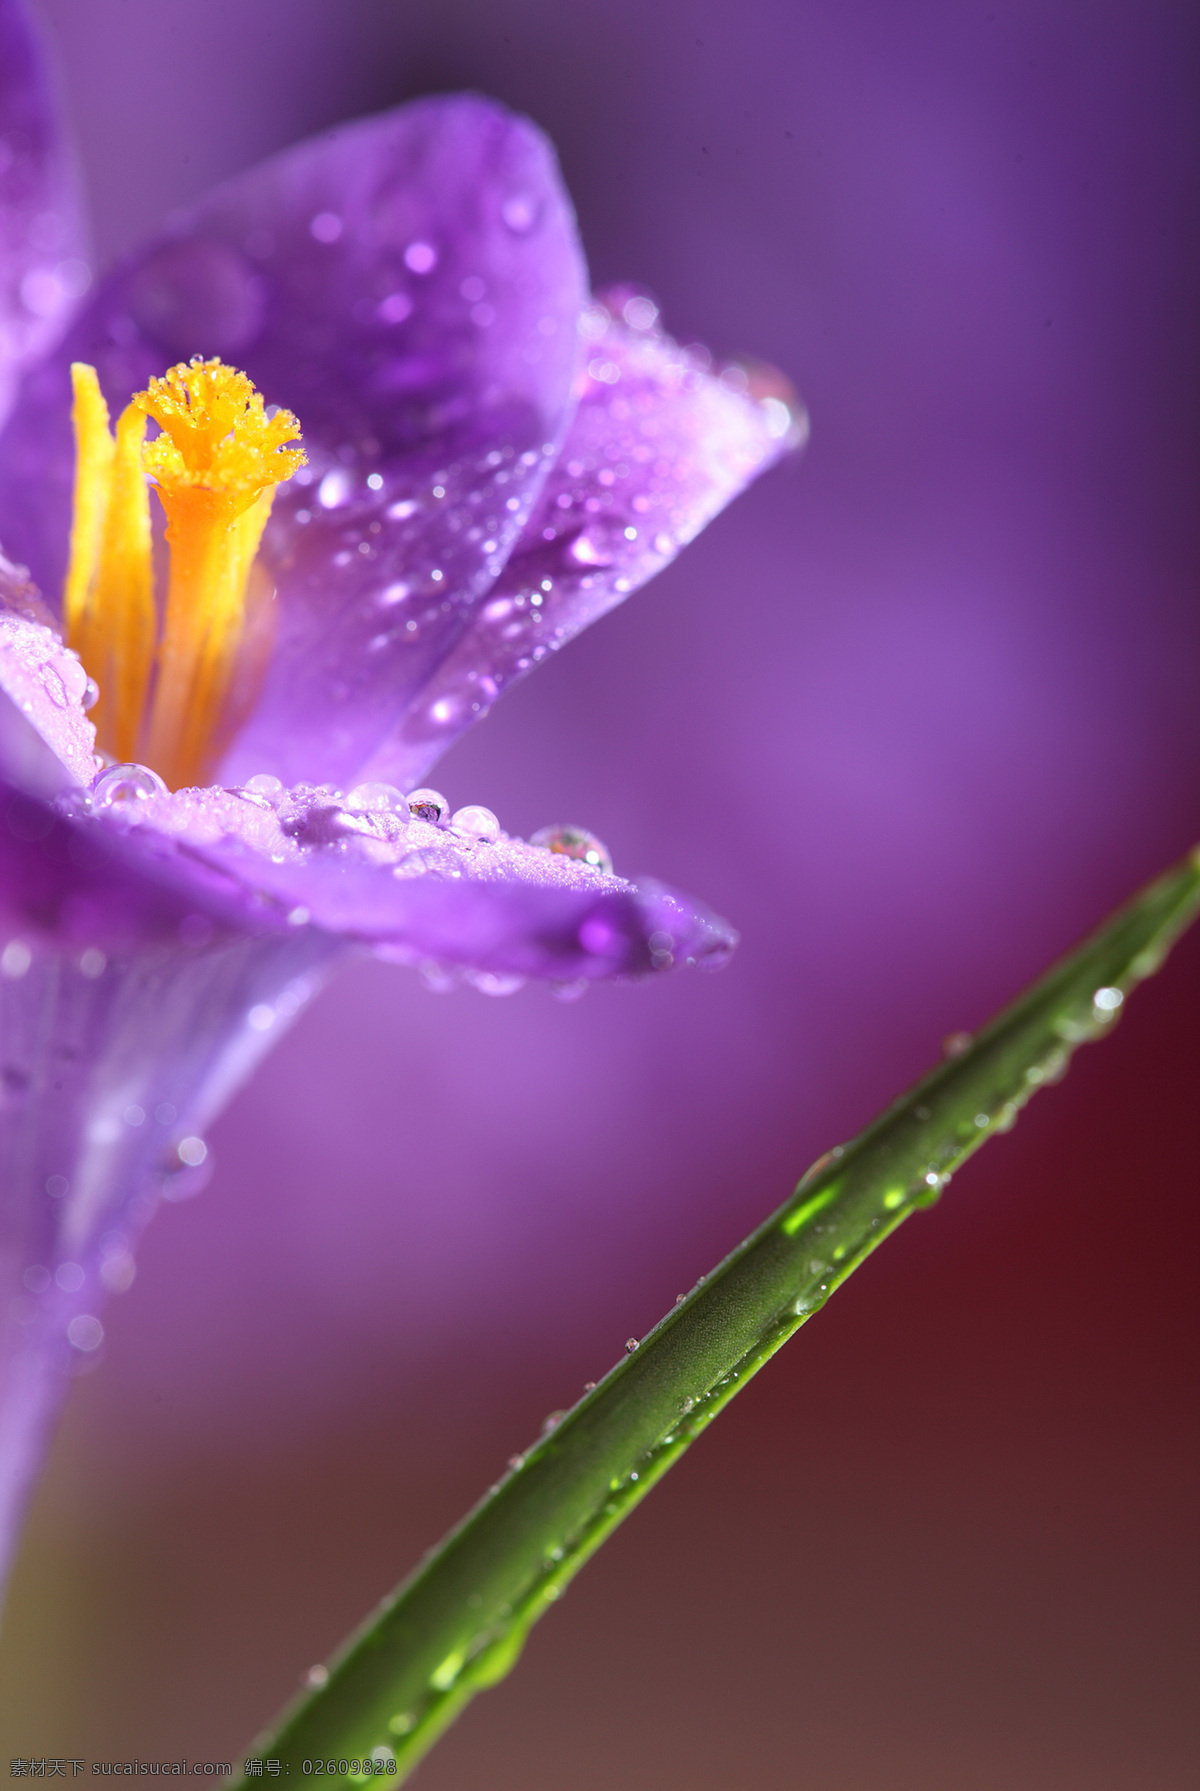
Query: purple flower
{"x": 493, "y": 460}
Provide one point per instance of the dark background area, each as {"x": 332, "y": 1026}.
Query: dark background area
{"x": 914, "y": 714}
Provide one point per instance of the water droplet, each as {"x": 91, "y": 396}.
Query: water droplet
{"x": 263, "y": 784}
{"x": 402, "y": 1723}
{"x": 955, "y": 1043}
{"x": 261, "y": 1018}
{"x": 378, "y": 799}
{"x": 134, "y": 1115}
{"x": 69, "y": 1276}
{"x": 476, "y": 822}
{"x": 57, "y": 1186}
{"x": 36, "y": 1278}
{"x": 640, "y": 312}
{"x": 124, "y": 786}
{"x": 585, "y": 550}
{"x": 395, "y": 307}
{"x": 631, "y": 1343}
{"x": 334, "y": 489}
{"x": 428, "y": 805}
{"x": 1106, "y": 1001}
{"x": 515, "y": 1462}
{"x": 519, "y": 211}
{"x": 117, "y": 1271}
{"x": 186, "y": 1169}
{"x": 777, "y": 416}
{"x": 91, "y": 694}
{"x": 326, "y": 227}
{"x": 85, "y": 1332}
{"x": 92, "y": 963}
{"x": 589, "y": 1386}
{"x": 495, "y": 982}
{"x": 420, "y": 258}
{"x": 576, "y": 843}
{"x": 316, "y": 1677}
{"x": 15, "y": 959}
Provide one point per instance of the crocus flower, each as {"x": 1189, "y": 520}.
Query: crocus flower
{"x": 489, "y": 461}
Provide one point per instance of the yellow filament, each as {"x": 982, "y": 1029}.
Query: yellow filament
{"x": 215, "y": 467}
{"x": 93, "y": 480}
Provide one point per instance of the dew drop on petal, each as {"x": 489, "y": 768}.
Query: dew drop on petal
{"x": 263, "y": 784}
{"x": 378, "y": 799}
{"x": 576, "y": 843}
{"x": 428, "y": 805}
{"x": 85, "y": 1332}
{"x": 334, "y": 489}
{"x": 395, "y": 307}
{"x": 124, "y": 786}
{"x": 420, "y": 257}
{"x": 777, "y": 417}
{"x": 15, "y": 959}
{"x": 191, "y": 1151}
{"x": 495, "y": 982}
{"x": 585, "y": 550}
{"x": 91, "y": 694}
{"x": 640, "y": 312}
{"x": 519, "y": 212}
{"x": 476, "y": 822}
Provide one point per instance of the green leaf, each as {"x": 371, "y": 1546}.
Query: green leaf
{"x": 459, "y": 1623}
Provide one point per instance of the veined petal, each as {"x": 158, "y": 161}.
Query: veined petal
{"x": 657, "y": 446}
{"x": 42, "y": 269}
{"x": 408, "y": 285}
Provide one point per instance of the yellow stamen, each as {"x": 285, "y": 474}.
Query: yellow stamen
{"x": 215, "y": 467}
{"x": 93, "y": 481}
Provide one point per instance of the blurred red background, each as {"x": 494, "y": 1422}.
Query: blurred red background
{"x": 914, "y": 714}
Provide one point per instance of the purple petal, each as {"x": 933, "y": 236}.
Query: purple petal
{"x": 407, "y": 285}
{"x": 46, "y": 741}
{"x": 42, "y": 271}
{"x": 112, "y": 1064}
{"x": 418, "y": 891}
{"x": 656, "y": 448}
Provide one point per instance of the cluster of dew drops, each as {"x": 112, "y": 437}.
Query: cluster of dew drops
{"x": 376, "y": 810}
{"x": 374, "y": 817}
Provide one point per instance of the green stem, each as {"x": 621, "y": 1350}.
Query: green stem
{"x": 459, "y": 1623}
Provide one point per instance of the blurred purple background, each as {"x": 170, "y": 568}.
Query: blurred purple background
{"x": 913, "y": 714}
